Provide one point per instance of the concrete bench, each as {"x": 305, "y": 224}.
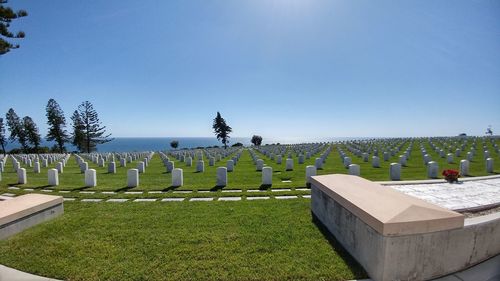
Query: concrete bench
{"x": 398, "y": 237}
{"x": 28, "y": 210}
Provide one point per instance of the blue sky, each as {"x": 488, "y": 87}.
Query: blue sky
{"x": 279, "y": 68}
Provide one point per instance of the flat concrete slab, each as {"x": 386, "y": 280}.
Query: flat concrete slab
{"x": 155, "y": 192}
{"x": 231, "y": 190}
{"x": 47, "y": 190}
{"x": 256, "y": 190}
{"x": 286, "y": 197}
{"x": 303, "y": 189}
{"x": 258, "y": 197}
{"x": 201, "y": 199}
{"x": 306, "y": 196}
{"x": 461, "y": 196}
{"x": 281, "y": 189}
{"x": 133, "y": 192}
{"x": 388, "y": 211}
{"x": 182, "y": 191}
{"x": 69, "y": 199}
{"x": 172, "y": 199}
{"x": 145, "y": 200}
{"x": 9, "y": 194}
{"x": 230, "y": 198}
{"x": 64, "y": 191}
{"x": 87, "y": 192}
{"x": 13, "y": 188}
{"x": 108, "y": 192}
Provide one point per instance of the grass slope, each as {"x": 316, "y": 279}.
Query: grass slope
{"x": 265, "y": 240}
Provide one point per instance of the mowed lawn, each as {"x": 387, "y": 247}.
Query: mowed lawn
{"x": 247, "y": 240}
{"x": 245, "y": 175}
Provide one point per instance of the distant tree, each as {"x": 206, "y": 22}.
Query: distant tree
{"x": 90, "y": 131}
{"x": 6, "y": 17}
{"x": 57, "y": 124}
{"x": 16, "y": 128}
{"x": 489, "y": 131}
{"x": 3, "y": 139}
{"x": 238, "y": 144}
{"x": 174, "y": 144}
{"x": 221, "y": 130}
{"x": 77, "y": 137}
{"x": 256, "y": 140}
{"x": 32, "y": 133}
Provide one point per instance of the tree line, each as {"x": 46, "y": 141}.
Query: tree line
{"x": 86, "y": 130}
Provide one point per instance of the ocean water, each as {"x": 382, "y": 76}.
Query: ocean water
{"x": 126, "y": 144}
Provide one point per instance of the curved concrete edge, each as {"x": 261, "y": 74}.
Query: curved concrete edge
{"x": 11, "y": 274}
{"x": 488, "y": 270}
{"x": 430, "y": 181}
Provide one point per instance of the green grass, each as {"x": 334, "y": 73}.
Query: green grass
{"x": 244, "y": 176}
{"x": 264, "y": 240}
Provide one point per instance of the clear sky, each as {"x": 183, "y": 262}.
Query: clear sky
{"x": 278, "y": 68}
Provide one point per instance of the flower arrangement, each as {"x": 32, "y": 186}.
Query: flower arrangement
{"x": 451, "y": 175}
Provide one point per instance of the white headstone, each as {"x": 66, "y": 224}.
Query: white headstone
{"x": 36, "y": 167}
{"x": 301, "y": 159}
{"x": 90, "y": 178}
{"x": 354, "y": 170}
{"x": 267, "y": 176}
{"x": 141, "y": 166}
{"x": 221, "y": 176}
{"x": 318, "y": 163}
{"x": 347, "y": 161}
{"x": 211, "y": 161}
{"x": 101, "y": 162}
{"x": 123, "y": 162}
{"x": 464, "y": 167}
{"x": 84, "y": 166}
{"x": 21, "y": 176}
{"x": 60, "y": 167}
{"x": 402, "y": 160}
{"x": 259, "y": 164}
{"x": 200, "y": 166}
{"x": 289, "y": 164}
{"x": 112, "y": 167}
{"x": 489, "y": 165}
{"x": 45, "y": 162}
{"x": 375, "y": 162}
{"x": 310, "y": 172}
{"x": 132, "y": 178}
{"x": 230, "y": 165}
{"x": 432, "y": 169}
{"x": 53, "y": 177}
{"x": 449, "y": 158}
{"x": 189, "y": 161}
{"x": 170, "y": 166}
{"x": 395, "y": 171}
{"x": 278, "y": 159}
{"x": 177, "y": 177}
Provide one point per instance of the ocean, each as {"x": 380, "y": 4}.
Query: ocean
{"x": 126, "y": 144}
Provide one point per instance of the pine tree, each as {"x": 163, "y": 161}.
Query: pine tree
{"x": 3, "y": 140}
{"x": 174, "y": 144}
{"x": 32, "y": 134}
{"x": 57, "y": 124}
{"x": 77, "y": 137}
{"x": 90, "y": 131}
{"x": 6, "y": 17}
{"x": 221, "y": 129}
{"x": 16, "y": 128}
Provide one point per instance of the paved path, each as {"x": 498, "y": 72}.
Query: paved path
{"x": 461, "y": 196}
{"x": 10, "y": 274}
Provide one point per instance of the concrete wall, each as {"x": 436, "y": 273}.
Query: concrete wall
{"x": 23, "y": 223}
{"x": 408, "y": 257}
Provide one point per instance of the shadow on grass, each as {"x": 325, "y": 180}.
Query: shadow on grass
{"x": 265, "y": 186}
{"x": 217, "y": 188}
{"x": 353, "y": 265}
{"x": 125, "y": 188}
{"x": 81, "y": 188}
{"x": 170, "y": 188}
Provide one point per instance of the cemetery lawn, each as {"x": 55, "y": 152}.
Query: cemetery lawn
{"x": 258, "y": 240}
